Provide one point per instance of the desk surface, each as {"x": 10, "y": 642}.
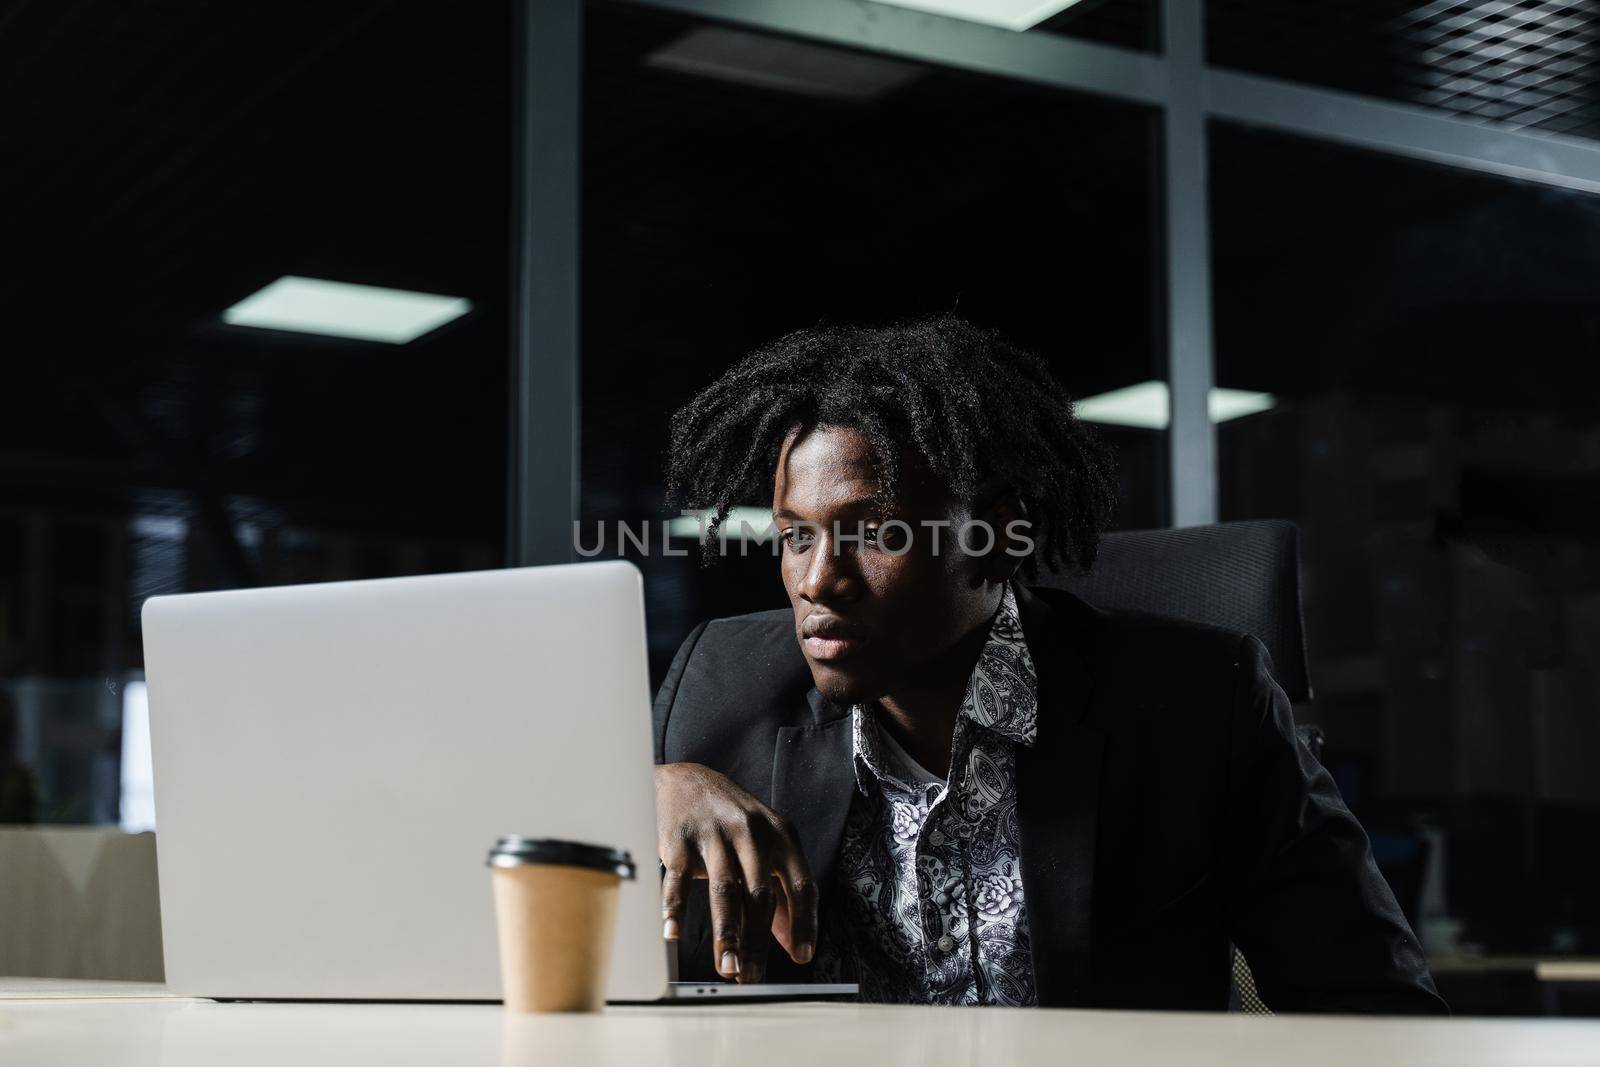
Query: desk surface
{"x": 189, "y": 1033}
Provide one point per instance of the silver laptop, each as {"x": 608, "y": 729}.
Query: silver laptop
{"x": 333, "y": 762}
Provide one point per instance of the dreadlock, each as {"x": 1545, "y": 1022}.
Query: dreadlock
{"x": 974, "y": 406}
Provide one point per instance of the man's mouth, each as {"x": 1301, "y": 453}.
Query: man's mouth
{"x": 830, "y": 639}
{"x": 831, "y": 648}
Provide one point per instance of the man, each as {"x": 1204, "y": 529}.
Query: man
{"x": 953, "y": 788}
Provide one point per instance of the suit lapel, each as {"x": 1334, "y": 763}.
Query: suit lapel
{"x": 1058, "y": 793}
{"x": 812, "y": 782}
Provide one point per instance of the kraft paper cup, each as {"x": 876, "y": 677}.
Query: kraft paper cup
{"x": 556, "y": 910}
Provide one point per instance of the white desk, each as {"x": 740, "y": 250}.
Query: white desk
{"x": 111, "y": 1027}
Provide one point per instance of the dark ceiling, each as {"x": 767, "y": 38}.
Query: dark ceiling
{"x": 1519, "y": 63}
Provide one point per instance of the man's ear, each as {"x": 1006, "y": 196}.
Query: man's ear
{"x": 1007, "y": 515}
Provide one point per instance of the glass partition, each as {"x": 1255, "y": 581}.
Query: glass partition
{"x": 1427, "y": 336}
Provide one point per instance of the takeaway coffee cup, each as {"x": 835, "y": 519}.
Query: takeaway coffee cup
{"x": 556, "y": 908}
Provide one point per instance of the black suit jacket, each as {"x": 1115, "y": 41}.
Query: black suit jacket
{"x": 1167, "y": 809}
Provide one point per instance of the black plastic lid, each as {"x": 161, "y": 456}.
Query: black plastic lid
{"x": 515, "y": 851}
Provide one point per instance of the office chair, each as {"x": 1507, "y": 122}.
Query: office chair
{"x": 1240, "y": 575}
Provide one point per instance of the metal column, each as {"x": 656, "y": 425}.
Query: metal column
{"x": 1191, "y": 438}
{"x": 543, "y": 469}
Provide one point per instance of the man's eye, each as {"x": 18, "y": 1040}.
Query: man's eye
{"x": 795, "y": 538}
{"x": 892, "y": 539}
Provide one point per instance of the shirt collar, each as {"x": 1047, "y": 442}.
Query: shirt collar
{"x": 1002, "y": 697}
{"x": 1003, "y": 692}
{"x": 870, "y": 758}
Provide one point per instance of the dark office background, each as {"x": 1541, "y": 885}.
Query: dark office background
{"x": 1429, "y": 335}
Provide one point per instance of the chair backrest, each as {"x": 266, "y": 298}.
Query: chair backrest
{"x": 1240, "y": 575}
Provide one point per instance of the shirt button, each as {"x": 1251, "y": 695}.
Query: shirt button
{"x": 936, "y": 839}
{"x": 946, "y": 943}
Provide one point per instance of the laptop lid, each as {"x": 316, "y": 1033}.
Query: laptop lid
{"x": 333, "y": 763}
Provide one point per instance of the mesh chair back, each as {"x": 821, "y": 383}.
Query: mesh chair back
{"x": 1240, "y": 575}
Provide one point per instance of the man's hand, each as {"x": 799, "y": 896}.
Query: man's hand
{"x": 710, "y": 828}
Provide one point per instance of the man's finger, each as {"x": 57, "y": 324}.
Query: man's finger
{"x": 759, "y": 902}
{"x": 726, "y": 890}
{"x": 674, "y": 881}
{"x": 800, "y": 893}
{"x": 758, "y": 927}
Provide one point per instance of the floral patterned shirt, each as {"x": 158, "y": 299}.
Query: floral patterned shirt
{"x": 929, "y": 869}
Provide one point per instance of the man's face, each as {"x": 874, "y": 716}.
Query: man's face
{"x": 870, "y": 622}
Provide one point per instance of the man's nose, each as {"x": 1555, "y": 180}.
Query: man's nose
{"x": 831, "y": 574}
